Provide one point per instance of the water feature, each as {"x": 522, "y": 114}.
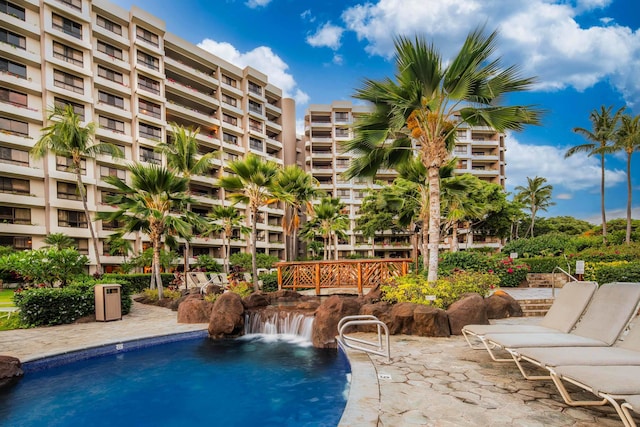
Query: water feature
{"x": 273, "y": 323}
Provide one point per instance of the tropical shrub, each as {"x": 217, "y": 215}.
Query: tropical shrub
{"x": 243, "y": 260}
{"x": 464, "y": 260}
{"x": 135, "y": 283}
{"x": 241, "y": 288}
{"x": 544, "y": 264}
{"x": 545, "y": 245}
{"x": 610, "y": 253}
{"x": 269, "y": 282}
{"x": 45, "y": 266}
{"x": 511, "y": 274}
{"x": 152, "y": 294}
{"x": 54, "y": 306}
{"x": 447, "y": 290}
{"x": 208, "y": 263}
{"x": 616, "y": 271}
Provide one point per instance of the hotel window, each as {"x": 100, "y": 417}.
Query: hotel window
{"x": 341, "y": 116}
{"x": 147, "y": 36}
{"x": 109, "y": 99}
{"x": 12, "y": 9}
{"x": 342, "y": 132}
{"x": 67, "y": 54}
{"x": 14, "y": 156}
{"x": 65, "y": 164}
{"x": 67, "y": 26}
{"x": 255, "y": 107}
{"x": 112, "y": 225}
{"x": 149, "y": 156}
{"x": 461, "y": 133}
{"x": 343, "y": 193}
{"x": 13, "y": 68}
{"x": 108, "y": 74}
{"x": 151, "y": 132}
{"x": 460, "y": 149}
{"x": 14, "y": 126}
{"x": 255, "y": 125}
{"x": 109, "y": 50}
{"x": 148, "y": 84}
{"x": 82, "y": 246}
{"x": 109, "y": 25}
{"x": 229, "y": 139}
{"x": 229, "y": 119}
{"x": 14, "y": 185}
{"x": 68, "y": 191}
{"x": 12, "y": 97}
{"x": 106, "y": 171}
{"x": 255, "y": 88}
{"x": 13, "y": 39}
{"x": 68, "y": 81}
{"x": 77, "y": 108}
{"x": 111, "y": 124}
{"x": 229, "y": 81}
{"x": 76, "y": 4}
{"x": 148, "y": 61}
{"x": 231, "y": 157}
{"x": 229, "y": 100}
{"x": 150, "y": 108}
{"x": 105, "y": 196}
{"x": 17, "y": 243}
{"x": 255, "y": 144}
{"x": 9, "y": 215}
{"x": 73, "y": 219}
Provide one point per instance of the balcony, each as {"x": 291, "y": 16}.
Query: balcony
{"x": 172, "y": 64}
{"x": 25, "y": 113}
{"x": 19, "y": 26}
{"x": 10, "y": 51}
{"x": 188, "y": 91}
{"x": 189, "y": 113}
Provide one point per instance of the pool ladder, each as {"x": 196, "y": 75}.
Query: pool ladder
{"x": 364, "y": 345}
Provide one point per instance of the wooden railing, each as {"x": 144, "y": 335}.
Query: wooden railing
{"x": 355, "y": 274}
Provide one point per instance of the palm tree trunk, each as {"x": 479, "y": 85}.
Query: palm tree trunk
{"x": 83, "y": 197}
{"x": 335, "y": 247}
{"x": 629, "y": 192}
{"x": 156, "y": 267}
{"x": 226, "y": 248}
{"x": 254, "y": 249}
{"x": 186, "y": 244}
{"x": 604, "y": 217}
{"x": 454, "y": 237}
{"x": 434, "y": 222}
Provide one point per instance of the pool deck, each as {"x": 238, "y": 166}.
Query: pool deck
{"x": 429, "y": 381}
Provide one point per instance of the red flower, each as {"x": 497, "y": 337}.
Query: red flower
{"x": 509, "y": 270}
{"x": 490, "y": 271}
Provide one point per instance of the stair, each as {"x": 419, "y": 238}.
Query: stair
{"x": 535, "y": 307}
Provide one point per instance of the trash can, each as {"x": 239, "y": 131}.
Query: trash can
{"x": 108, "y": 303}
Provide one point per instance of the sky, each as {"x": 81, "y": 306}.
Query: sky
{"x": 584, "y": 53}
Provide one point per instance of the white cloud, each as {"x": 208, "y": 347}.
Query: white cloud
{"x": 564, "y": 196}
{"x": 306, "y": 15}
{"x": 257, "y": 3}
{"x": 327, "y": 35}
{"x": 338, "y": 59}
{"x": 541, "y": 35}
{"x": 596, "y": 218}
{"x": 575, "y": 173}
{"x": 262, "y": 59}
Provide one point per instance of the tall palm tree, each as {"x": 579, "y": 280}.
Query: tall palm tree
{"x": 182, "y": 157}
{"x": 536, "y": 196}
{"x": 298, "y": 189}
{"x": 329, "y": 222}
{"x": 227, "y": 218}
{"x": 424, "y": 107}
{"x": 458, "y": 203}
{"x": 628, "y": 140}
{"x": 604, "y": 125}
{"x": 146, "y": 206}
{"x": 59, "y": 241}
{"x": 67, "y": 137}
{"x": 252, "y": 183}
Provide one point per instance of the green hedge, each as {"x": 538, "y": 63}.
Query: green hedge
{"x": 269, "y": 282}
{"x": 619, "y": 271}
{"x": 135, "y": 283}
{"x": 544, "y": 264}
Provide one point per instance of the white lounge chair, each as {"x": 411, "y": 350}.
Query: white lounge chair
{"x": 567, "y": 308}
{"x": 632, "y": 404}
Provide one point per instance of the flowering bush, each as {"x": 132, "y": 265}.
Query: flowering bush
{"x": 510, "y": 273}
{"x": 617, "y": 271}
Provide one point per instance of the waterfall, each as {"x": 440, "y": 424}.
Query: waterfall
{"x": 270, "y": 324}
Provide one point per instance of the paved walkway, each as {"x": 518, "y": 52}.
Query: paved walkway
{"x": 429, "y": 381}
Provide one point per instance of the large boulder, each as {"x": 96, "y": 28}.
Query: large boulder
{"x": 194, "y": 310}
{"x": 430, "y": 322}
{"x": 373, "y": 296}
{"x": 10, "y": 371}
{"x": 401, "y": 321}
{"x": 470, "y": 309}
{"x": 325, "y": 326}
{"x": 227, "y": 316}
{"x": 283, "y": 295}
{"x": 501, "y": 305}
{"x": 256, "y": 299}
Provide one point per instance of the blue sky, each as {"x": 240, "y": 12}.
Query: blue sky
{"x": 585, "y": 53}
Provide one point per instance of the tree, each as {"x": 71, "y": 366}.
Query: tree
{"x": 297, "y": 189}
{"x": 226, "y": 219}
{"x": 183, "y": 158}
{"x": 425, "y": 106}
{"x": 252, "y": 183}
{"x": 627, "y": 139}
{"x": 59, "y": 241}
{"x": 459, "y": 203}
{"x": 603, "y": 131}
{"x": 536, "y": 196}
{"x": 379, "y": 212}
{"x": 67, "y": 137}
{"x": 329, "y": 222}
{"x": 146, "y": 206}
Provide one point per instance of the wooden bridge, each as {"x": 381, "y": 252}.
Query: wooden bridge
{"x": 343, "y": 274}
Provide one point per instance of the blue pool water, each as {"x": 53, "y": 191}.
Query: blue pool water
{"x": 246, "y": 382}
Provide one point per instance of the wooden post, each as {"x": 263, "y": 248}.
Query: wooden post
{"x": 360, "y": 292}
{"x": 317, "y": 278}
{"x": 279, "y": 277}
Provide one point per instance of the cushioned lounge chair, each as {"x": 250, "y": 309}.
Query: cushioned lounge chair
{"x": 609, "y": 383}
{"x": 632, "y": 404}
{"x": 567, "y": 308}
{"x": 611, "y": 309}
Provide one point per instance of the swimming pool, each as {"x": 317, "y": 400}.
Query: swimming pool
{"x": 245, "y": 382}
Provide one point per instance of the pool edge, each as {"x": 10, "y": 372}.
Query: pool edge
{"x": 363, "y": 404}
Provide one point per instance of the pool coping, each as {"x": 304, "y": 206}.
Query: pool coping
{"x": 363, "y": 404}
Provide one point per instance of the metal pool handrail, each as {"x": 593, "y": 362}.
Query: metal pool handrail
{"x": 369, "y": 346}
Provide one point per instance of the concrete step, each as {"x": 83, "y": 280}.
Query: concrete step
{"x": 535, "y": 307}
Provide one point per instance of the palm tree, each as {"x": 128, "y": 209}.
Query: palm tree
{"x": 67, "y": 137}
{"x": 329, "y": 222}
{"x": 252, "y": 183}
{"x": 628, "y": 140}
{"x": 459, "y": 205}
{"x": 424, "y": 107}
{"x": 536, "y": 196}
{"x": 183, "y": 158}
{"x": 227, "y": 218}
{"x": 59, "y": 241}
{"x": 146, "y": 206}
{"x": 603, "y": 131}
{"x": 297, "y": 189}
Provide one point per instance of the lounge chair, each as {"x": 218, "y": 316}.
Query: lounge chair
{"x": 611, "y": 309}
{"x": 632, "y": 404}
{"x": 561, "y": 317}
{"x": 609, "y": 383}
{"x": 192, "y": 280}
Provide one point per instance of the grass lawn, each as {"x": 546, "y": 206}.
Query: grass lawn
{"x": 6, "y": 296}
